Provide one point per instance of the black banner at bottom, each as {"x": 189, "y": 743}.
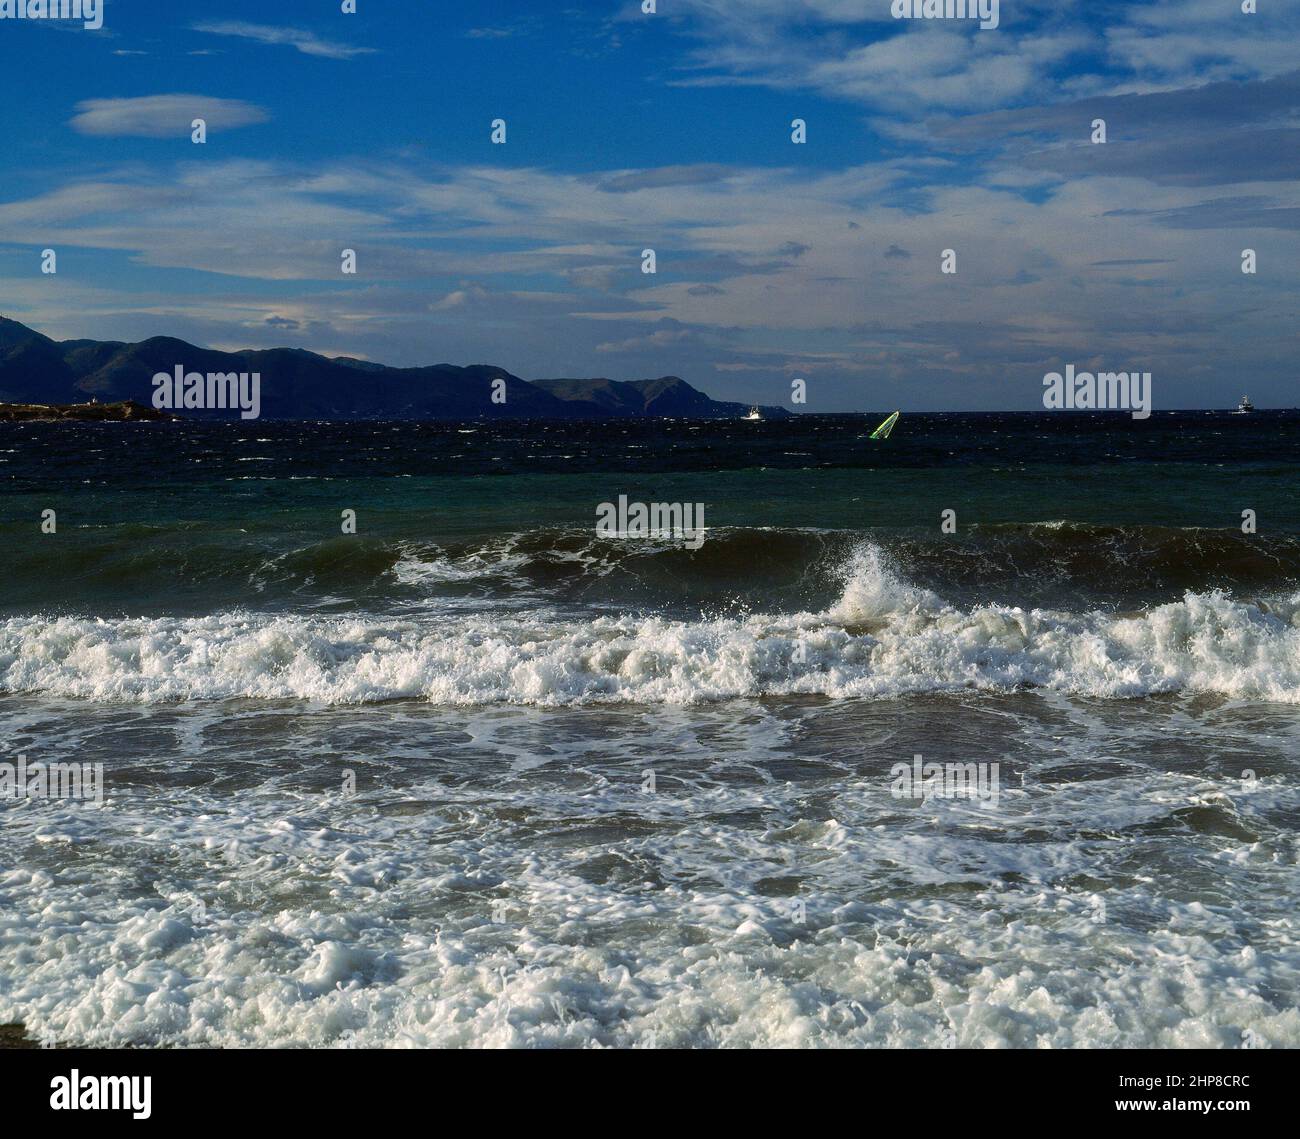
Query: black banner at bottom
{"x": 342, "y": 1087}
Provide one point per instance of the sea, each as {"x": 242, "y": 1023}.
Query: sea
{"x": 478, "y": 775}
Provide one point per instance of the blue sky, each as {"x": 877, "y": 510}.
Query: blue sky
{"x": 671, "y": 131}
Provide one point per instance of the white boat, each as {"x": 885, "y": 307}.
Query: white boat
{"x": 754, "y": 414}
{"x": 1245, "y": 407}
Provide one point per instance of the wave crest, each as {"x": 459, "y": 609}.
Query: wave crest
{"x": 883, "y": 637}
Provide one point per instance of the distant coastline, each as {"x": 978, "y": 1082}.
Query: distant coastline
{"x": 36, "y": 371}
{"x": 83, "y": 412}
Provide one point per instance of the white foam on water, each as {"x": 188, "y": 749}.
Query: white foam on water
{"x": 449, "y": 922}
{"x": 883, "y": 637}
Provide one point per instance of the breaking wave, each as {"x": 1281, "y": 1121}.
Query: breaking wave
{"x": 883, "y": 636}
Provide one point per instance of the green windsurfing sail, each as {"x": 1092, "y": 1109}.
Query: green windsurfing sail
{"x": 882, "y": 432}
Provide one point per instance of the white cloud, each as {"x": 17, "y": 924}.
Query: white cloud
{"x": 306, "y": 42}
{"x": 853, "y": 50}
{"x": 162, "y": 116}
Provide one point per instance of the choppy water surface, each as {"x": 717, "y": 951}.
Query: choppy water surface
{"x": 504, "y": 685}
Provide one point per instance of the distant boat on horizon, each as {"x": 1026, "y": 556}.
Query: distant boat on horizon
{"x": 1245, "y": 407}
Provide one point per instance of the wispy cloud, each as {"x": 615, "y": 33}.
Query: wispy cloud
{"x": 1044, "y": 51}
{"x": 505, "y": 32}
{"x": 664, "y": 176}
{"x": 304, "y": 41}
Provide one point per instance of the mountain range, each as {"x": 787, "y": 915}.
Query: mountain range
{"x": 296, "y": 384}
